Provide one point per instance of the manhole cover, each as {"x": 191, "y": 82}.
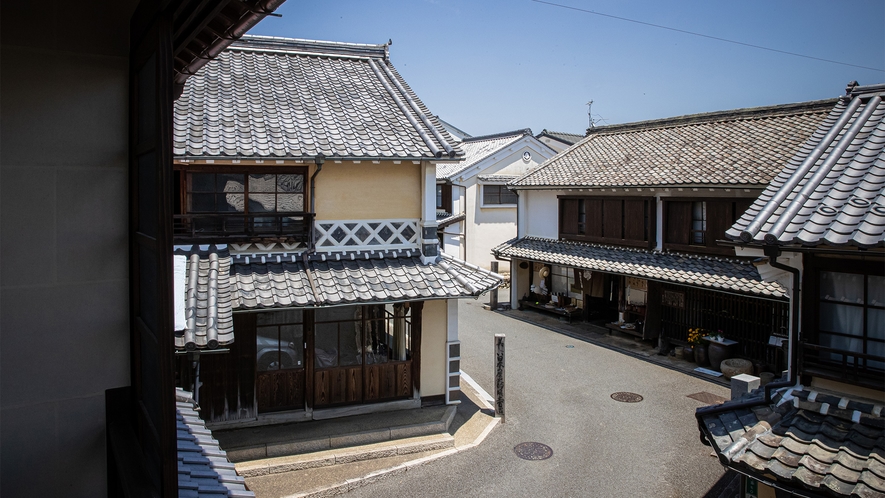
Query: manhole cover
{"x": 533, "y": 451}
{"x": 627, "y": 397}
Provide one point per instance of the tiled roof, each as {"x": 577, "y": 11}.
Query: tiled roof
{"x": 203, "y": 467}
{"x": 700, "y": 271}
{"x": 476, "y": 149}
{"x": 739, "y": 147}
{"x": 285, "y": 98}
{"x": 207, "y": 298}
{"x": 566, "y": 138}
{"x": 833, "y": 190}
{"x": 807, "y": 442}
{"x": 496, "y": 178}
{"x": 274, "y": 281}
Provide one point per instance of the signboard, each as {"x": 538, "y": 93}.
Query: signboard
{"x": 673, "y": 299}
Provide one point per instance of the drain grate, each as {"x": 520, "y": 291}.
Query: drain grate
{"x": 533, "y": 451}
{"x": 625, "y": 397}
{"x": 708, "y": 398}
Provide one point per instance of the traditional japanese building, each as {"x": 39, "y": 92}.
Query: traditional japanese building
{"x": 311, "y": 280}
{"x": 820, "y": 227}
{"x": 625, "y": 226}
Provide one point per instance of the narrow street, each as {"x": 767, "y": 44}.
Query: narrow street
{"x": 559, "y": 394}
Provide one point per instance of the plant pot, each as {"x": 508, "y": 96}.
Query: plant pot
{"x": 688, "y": 353}
{"x": 717, "y": 353}
{"x": 700, "y": 355}
{"x": 679, "y": 352}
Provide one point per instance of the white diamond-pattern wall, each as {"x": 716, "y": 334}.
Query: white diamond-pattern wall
{"x": 335, "y": 235}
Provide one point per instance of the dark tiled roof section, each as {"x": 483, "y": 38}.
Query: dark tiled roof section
{"x": 208, "y": 312}
{"x": 566, "y": 138}
{"x": 478, "y": 148}
{"x": 832, "y": 191}
{"x": 203, "y": 467}
{"x": 268, "y": 97}
{"x": 273, "y": 283}
{"x": 810, "y": 441}
{"x": 729, "y": 148}
{"x": 700, "y": 271}
{"x": 497, "y": 178}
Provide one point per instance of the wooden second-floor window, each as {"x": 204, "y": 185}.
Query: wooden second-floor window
{"x": 248, "y": 193}
{"x": 695, "y": 225}
{"x": 628, "y": 222}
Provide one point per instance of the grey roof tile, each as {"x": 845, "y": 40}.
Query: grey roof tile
{"x": 566, "y": 138}
{"x": 207, "y": 298}
{"x": 836, "y": 197}
{"x": 729, "y": 148}
{"x": 701, "y": 271}
{"x": 808, "y": 447}
{"x": 203, "y": 467}
{"x": 478, "y": 148}
{"x": 376, "y": 279}
{"x": 277, "y": 97}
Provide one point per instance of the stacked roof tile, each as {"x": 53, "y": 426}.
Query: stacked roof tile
{"x": 271, "y": 282}
{"x": 476, "y": 149}
{"x": 566, "y": 138}
{"x": 203, "y": 467}
{"x": 806, "y": 442}
{"x": 722, "y": 274}
{"x": 286, "y": 98}
{"x": 745, "y": 147}
{"x": 207, "y": 298}
{"x": 833, "y": 190}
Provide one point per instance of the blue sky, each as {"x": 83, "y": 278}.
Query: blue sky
{"x": 493, "y": 66}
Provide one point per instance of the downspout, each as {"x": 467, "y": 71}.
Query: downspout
{"x": 318, "y": 160}
{"x": 773, "y": 252}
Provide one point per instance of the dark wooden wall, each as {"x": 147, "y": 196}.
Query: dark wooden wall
{"x": 625, "y": 222}
{"x": 228, "y": 379}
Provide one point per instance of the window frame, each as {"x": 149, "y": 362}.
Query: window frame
{"x": 611, "y": 222}
{"x": 186, "y": 190}
{"x": 501, "y": 189}
{"x": 815, "y": 266}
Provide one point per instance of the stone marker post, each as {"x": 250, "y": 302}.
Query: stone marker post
{"x": 493, "y": 294}
{"x": 499, "y": 376}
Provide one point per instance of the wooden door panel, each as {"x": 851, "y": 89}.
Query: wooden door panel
{"x": 280, "y": 390}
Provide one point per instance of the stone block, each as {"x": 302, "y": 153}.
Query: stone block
{"x": 743, "y": 384}
{"x": 359, "y": 438}
{"x": 297, "y": 447}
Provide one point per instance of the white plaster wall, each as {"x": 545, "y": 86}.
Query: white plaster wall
{"x": 541, "y": 213}
{"x": 490, "y": 226}
{"x": 433, "y": 348}
{"x": 64, "y": 326}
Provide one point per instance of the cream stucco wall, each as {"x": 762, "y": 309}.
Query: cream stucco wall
{"x": 368, "y": 191}
{"x": 433, "y": 348}
{"x": 64, "y": 271}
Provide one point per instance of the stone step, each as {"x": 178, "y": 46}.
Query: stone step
{"x": 324, "y": 458}
{"x": 319, "y": 443}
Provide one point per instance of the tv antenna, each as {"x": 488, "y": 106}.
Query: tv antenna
{"x": 590, "y": 115}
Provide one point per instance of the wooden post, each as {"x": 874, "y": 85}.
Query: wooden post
{"x": 499, "y": 376}
{"x": 493, "y": 295}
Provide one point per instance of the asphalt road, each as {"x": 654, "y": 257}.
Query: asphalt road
{"x": 561, "y": 396}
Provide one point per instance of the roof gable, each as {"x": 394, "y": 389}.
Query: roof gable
{"x": 833, "y": 190}
{"x": 738, "y": 147}
{"x": 478, "y": 149}
{"x": 286, "y": 98}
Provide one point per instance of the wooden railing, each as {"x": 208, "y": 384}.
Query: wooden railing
{"x": 841, "y": 365}
{"x": 231, "y": 227}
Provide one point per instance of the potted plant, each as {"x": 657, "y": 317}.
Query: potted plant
{"x": 719, "y": 348}
{"x": 697, "y": 349}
